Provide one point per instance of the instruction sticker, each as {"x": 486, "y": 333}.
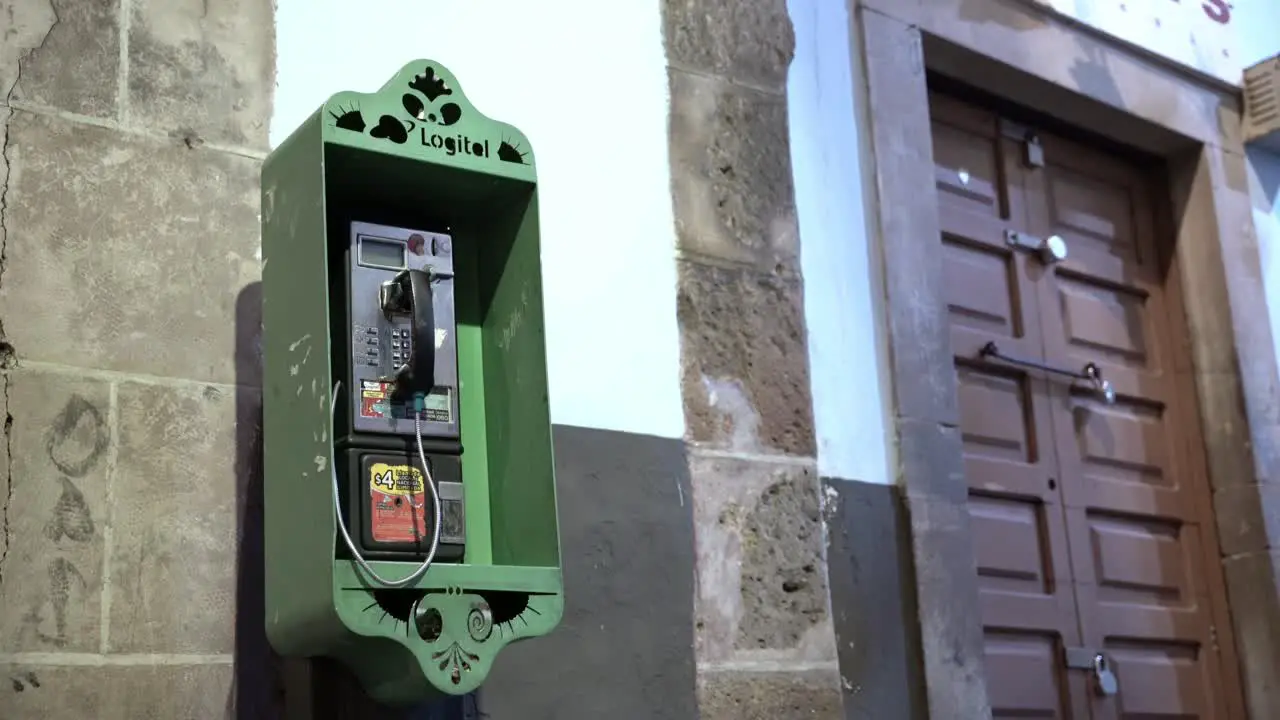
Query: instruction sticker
{"x": 437, "y": 406}
{"x": 375, "y": 399}
{"x": 375, "y": 402}
{"x": 397, "y": 504}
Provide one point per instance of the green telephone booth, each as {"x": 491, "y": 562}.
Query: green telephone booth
{"x": 410, "y": 504}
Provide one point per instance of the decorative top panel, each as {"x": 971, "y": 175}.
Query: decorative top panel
{"x": 422, "y": 114}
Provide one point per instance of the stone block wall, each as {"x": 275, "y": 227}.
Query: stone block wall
{"x": 765, "y": 645}
{"x": 133, "y": 131}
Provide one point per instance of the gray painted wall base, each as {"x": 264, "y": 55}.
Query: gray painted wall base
{"x": 624, "y": 650}
{"x": 625, "y": 647}
{"x": 873, "y": 601}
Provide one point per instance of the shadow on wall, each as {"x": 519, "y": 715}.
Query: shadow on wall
{"x": 255, "y": 690}
{"x": 1266, "y": 167}
{"x": 313, "y": 690}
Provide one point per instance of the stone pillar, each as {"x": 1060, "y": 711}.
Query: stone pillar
{"x": 765, "y": 645}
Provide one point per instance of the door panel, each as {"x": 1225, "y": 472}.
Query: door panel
{"x": 1092, "y": 522}
{"x": 1133, "y": 512}
{"x": 1020, "y": 540}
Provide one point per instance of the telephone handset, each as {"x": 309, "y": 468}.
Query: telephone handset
{"x": 409, "y": 292}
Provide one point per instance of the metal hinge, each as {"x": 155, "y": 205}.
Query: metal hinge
{"x": 1079, "y": 658}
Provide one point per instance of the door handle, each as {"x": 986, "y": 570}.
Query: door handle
{"x": 1090, "y": 372}
{"x": 1050, "y": 250}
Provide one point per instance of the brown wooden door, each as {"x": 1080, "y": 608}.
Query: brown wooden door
{"x": 1092, "y": 522}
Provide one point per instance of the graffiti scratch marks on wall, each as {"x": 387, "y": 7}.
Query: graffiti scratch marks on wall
{"x": 71, "y": 516}
{"x": 75, "y": 444}
{"x": 78, "y": 438}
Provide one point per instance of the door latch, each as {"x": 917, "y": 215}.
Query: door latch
{"x": 1052, "y": 249}
{"x": 1105, "y": 682}
{"x": 1032, "y": 151}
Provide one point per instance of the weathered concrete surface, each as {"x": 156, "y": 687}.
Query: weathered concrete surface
{"x": 203, "y": 69}
{"x": 802, "y": 695}
{"x": 731, "y": 173}
{"x": 71, "y": 55}
{"x": 122, "y": 254}
{"x": 168, "y": 560}
{"x": 138, "y": 692}
{"x": 1254, "y": 586}
{"x": 747, "y": 43}
{"x": 138, "y": 268}
{"x": 745, "y": 360}
{"x": 762, "y": 589}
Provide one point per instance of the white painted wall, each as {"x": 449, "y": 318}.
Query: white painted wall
{"x": 847, "y": 349}
{"x": 605, "y": 184}
{"x": 1264, "y": 191}
{"x": 1258, "y": 40}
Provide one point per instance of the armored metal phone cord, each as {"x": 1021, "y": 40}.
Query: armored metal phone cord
{"x": 435, "y": 507}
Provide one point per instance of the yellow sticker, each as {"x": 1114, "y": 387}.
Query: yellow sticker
{"x": 396, "y": 479}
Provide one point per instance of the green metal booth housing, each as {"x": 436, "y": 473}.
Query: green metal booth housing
{"x": 410, "y": 505}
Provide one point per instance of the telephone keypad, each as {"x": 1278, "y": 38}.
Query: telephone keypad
{"x": 398, "y": 338}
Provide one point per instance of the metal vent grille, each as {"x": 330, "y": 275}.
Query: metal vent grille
{"x": 1262, "y": 104}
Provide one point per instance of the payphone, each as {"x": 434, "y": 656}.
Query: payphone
{"x": 409, "y": 502}
{"x": 401, "y": 452}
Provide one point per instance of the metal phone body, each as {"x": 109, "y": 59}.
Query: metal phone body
{"x": 381, "y": 341}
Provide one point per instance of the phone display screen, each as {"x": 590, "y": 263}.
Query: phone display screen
{"x": 382, "y": 253}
